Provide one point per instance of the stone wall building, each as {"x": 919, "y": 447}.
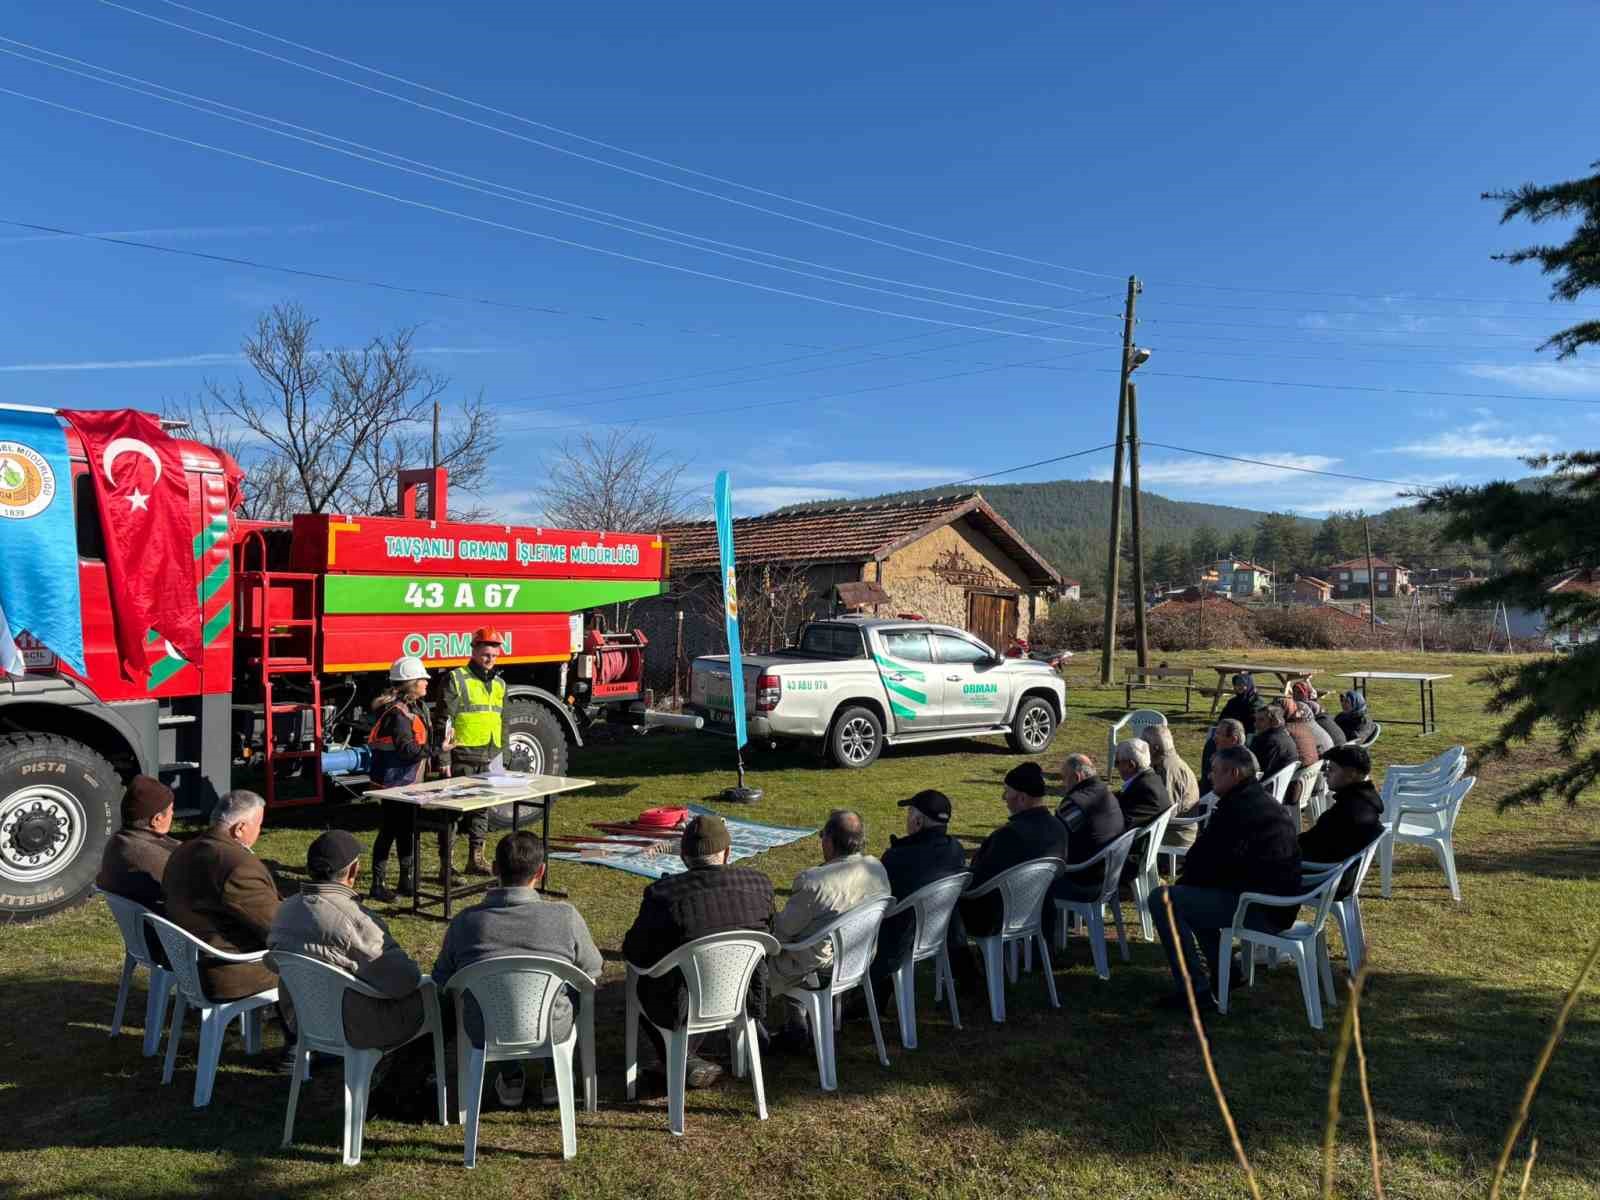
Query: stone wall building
{"x": 950, "y": 559}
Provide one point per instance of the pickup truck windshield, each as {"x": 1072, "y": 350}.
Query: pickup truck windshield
{"x": 833, "y": 641}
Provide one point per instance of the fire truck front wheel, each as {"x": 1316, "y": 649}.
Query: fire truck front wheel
{"x": 59, "y": 803}
{"x": 535, "y": 742}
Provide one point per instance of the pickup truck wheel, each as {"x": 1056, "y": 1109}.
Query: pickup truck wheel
{"x": 856, "y": 739}
{"x": 1033, "y": 727}
{"x": 535, "y": 743}
{"x": 59, "y": 803}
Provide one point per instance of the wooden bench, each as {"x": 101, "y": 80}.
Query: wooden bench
{"x": 1159, "y": 677}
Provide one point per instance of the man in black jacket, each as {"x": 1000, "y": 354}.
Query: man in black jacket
{"x": 1273, "y": 747}
{"x": 926, "y": 854}
{"x": 1144, "y": 793}
{"x": 1355, "y": 817}
{"x": 710, "y": 897}
{"x": 1093, "y": 820}
{"x": 1032, "y": 832}
{"x": 1227, "y": 733}
{"x": 1250, "y": 844}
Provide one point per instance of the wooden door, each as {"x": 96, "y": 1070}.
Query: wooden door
{"x": 993, "y": 618}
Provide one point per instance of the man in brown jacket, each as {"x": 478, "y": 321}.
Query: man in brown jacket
{"x": 136, "y": 856}
{"x": 218, "y": 890}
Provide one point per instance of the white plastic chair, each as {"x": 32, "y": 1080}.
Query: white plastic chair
{"x": 1372, "y": 737}
{"x": 1306, "y": 942}
{"x": 932, "y": 907}
{"x": 1202, "y": 813}
{"x": 1131, "y": 726}
{"x": 1431, "y": 822}
{"x": 716, "y": 974}
{"x": 1113, "y": 855}
{"x": 1303, "y": 788}
{"x": 1022, "y": 891}
{"x": 318, "y": 990}
{"x": 854, "y": 936}
{"x": 1277, "y": 784}
{"x": 1347, "y": 910}
{"x": 1148, "y": 878}
{"x": 1424, "y": 782}
{"x": 515, "y": 994}
{"x": 129, "y": 915}
{"x": 183, "y": 952}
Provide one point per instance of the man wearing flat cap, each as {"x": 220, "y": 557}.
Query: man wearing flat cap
{"x": 326, "y": 922}
{"x": 1032, "y": 832}
{"x": 136, "y": 856}
{"x": 709, "y": 897}
{"x": 925, "y": 855}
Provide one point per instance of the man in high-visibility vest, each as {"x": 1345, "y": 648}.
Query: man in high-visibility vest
{"x": 472, "y": 705}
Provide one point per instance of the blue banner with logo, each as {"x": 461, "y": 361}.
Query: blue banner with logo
{"x": 38, "y": 540}
{"x": 730, "y": 603}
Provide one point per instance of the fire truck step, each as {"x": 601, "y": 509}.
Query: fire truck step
{"x": 168, "y": 720}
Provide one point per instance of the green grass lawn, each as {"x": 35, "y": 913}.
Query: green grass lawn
{"x": 1104, "y": 1098}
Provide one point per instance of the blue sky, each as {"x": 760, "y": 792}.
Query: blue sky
{"x": 1270, "y": 152}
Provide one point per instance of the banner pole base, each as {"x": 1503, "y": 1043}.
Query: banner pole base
{"x": 741, "y": 794}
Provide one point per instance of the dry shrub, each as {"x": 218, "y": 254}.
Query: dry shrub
{"x": 1181, "y": 625}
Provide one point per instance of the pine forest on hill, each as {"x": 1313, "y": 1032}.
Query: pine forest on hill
{"x": 1067, "y": 520}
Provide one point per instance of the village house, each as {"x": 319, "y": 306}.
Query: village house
{"x": 1349, "y": 578}
{"x": 1310, "y": 590}
{"x": 1070, "y": 589}
{"x": 1241, "y": 578}
{"x": 950, "y": 559}
{"x": 1526, "y": 623}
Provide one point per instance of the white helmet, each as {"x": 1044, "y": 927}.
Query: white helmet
{"x": 406, "y": 669}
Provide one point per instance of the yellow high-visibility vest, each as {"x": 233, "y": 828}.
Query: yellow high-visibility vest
{"x": 479, "y": 709}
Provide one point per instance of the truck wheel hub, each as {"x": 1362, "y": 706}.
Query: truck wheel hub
{"x": 526, "y": 751}
{"x": 41, "y": 831}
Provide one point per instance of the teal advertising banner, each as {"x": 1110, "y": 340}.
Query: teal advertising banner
{"x": 730, "y": 603}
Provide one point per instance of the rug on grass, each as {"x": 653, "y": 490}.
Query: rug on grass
{"x": 640, "y": 850}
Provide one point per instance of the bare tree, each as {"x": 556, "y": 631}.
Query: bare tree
{"x": 774, "y": 599}
{"x": 616, "y": 481}
{"x": 326, "y": 430}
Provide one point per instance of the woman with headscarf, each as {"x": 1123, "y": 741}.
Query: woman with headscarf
{"x": 1241, "y": 706}
{"x": 1354, "y": 720}
{"x": 1180, "y": 779}
{"x": 1305, "y": 712}
{"x": 1307, "y": 697}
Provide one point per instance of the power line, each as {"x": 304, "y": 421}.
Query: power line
{"x": 1397, "y": 295}
{"x": 502, "y": 225}
{"x": 1354, "y": 312}
{"x": 1043, "y": 462}
{"x": 322, "y": 140}
{"x": 570, "y": 152}
{"x": 1313, "y": 329}
{"x": 1259, "y": 462}
{"x": 1256, "y": 341}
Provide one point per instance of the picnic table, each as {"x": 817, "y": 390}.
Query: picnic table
{"x": 1286, "y": 676}
{"x": 1424, "y": 682}
{"x": 441, "y": 803}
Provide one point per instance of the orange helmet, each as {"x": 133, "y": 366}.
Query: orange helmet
{"x": 488, "y": 634}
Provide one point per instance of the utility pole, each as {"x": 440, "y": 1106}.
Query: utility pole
{"x": 1372, "y": 582}
{"x": 1142, "y": 655}
{"x": 1113, "y": 564}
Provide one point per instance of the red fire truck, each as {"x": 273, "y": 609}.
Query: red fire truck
{"x": 301, "y": 621}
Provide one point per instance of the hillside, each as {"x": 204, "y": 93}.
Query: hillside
{"x": 1067, "y": 520}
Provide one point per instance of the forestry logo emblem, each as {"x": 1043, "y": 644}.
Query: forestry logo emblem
{"x": 27, "y": 484}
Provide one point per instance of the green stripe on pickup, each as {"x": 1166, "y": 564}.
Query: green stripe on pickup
{"x": 888, "y": 664}
{"x": 901, "y": 711}
{"x": 901, "y": 689}
{"x": 435, "y": 594}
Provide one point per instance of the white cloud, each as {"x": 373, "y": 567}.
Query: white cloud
{"x": 1487, "y": 437}
{"x": 1538, "y": 377}
{"x": 1339, "y": 495}
{"x": 764, "y": 499}
{"x": 1211, "y": 472}
{"x": 841, "y": 472}
{"x": 125, "y": 364}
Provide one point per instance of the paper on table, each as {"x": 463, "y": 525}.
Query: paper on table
{"x": 496, "y": 775}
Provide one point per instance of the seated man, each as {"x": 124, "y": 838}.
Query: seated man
{"x": 218, "y": 890}
{"x": 1250, "y": 844}
{"x": 515, "y": 919}
{"x": 136, "y": 857}
{"x": 846, "y": 878}
{"x": 710, "y": 897}
{"x": 1227, "y": 733}
{"x": 326, "y": 922}
{"x": 1032, "y": 832}
{"x": 1093, "y": 820}
{"x": 1273, "y": 747}
{"x": 1354, "y": 819}
{"x": 925, "y": 855}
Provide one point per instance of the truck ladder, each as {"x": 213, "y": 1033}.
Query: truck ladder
{"x": 279, "y": 624}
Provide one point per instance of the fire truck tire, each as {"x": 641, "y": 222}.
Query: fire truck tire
{"x": 535, "y": 742}
{"x": 59, "y": 804}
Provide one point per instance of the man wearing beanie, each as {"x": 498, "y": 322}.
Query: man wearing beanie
{"x": 709, "y": 897}
{"x": 1355, "y": 817}
{"x": 326, "y": 922}
{"x": 1032, "y": 832}
{"x": 136, "y": 856}
{"x": 925, "y": 855}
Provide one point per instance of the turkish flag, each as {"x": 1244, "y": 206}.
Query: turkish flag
{"x": 143, "y": 492}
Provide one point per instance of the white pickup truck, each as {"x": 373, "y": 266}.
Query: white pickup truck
{"x": 859, "y": 684}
